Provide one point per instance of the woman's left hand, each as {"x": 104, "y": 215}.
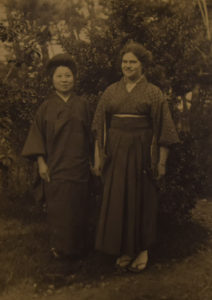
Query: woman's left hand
{"x": 161, "y": 170}
{"x": 95, "y": 170}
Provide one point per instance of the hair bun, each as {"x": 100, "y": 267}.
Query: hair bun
{"x": 63, "y": 59}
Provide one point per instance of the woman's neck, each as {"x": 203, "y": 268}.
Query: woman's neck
{"x": 133, "y": 80}
{"x": 130, "y": 84}
{"x": 65, "y": 96}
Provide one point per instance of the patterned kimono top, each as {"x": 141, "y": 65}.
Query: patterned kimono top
{"x": 144, "y": 99}
{"x": 60, "y": 133}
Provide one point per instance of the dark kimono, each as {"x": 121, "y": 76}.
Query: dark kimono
{"x": 127, "y": 222}
{"x": 60, "y": 133}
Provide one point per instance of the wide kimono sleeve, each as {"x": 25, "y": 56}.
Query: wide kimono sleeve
{"x": 88, "y": 123}
{"x": 100, "y": 119}
{"x": 88, "y": 116}
{"x": 164, "y": 130}
{"x": 35, "y": 141}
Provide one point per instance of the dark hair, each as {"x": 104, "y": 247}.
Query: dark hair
{"x": 61, "y": 60}
{"x": 142, "y": 54}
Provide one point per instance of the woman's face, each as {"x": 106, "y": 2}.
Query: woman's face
{"x": 63, "y": 79}
{"x": 131, "y": 66}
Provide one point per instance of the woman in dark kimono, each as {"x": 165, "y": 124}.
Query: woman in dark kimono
{"x": 59, "y": 141}
{"x": 131, "y": 114}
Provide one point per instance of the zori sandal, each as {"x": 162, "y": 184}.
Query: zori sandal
{"x": 140, "y": 263}
{"x": 123, "y": 261}
{"x": 137, "y": 268}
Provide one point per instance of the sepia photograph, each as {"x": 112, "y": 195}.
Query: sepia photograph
{"x": 105, "y": 149}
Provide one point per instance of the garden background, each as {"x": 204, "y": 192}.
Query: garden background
{"x": 177, "y": 32}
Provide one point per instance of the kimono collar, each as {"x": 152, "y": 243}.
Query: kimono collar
{"x": 131, "y": 86}
{"x": 141, "y": 80}
{"x": 64, "y": 98}
{"x": 57, "y": 97}
{"x": 135, "y": 82}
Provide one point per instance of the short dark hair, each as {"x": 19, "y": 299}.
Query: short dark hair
{"x": 142, "y": 54}
{"x": 63, "y": 59}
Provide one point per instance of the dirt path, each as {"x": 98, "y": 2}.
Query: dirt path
{"x": 169, "y": 277}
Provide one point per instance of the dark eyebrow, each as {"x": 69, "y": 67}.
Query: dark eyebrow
{"x": 131, "y": 60}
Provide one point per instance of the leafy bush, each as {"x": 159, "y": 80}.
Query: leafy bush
{"x": 183, "y": 184}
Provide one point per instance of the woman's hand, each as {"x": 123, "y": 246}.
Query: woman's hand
{"x": 96, "y": 168}
{"x": 43, "y": 169}
{"x": 161, "y": 170}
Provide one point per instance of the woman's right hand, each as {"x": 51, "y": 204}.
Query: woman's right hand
{"x": 43, "y": 169}
{"x": 96, "y": 169}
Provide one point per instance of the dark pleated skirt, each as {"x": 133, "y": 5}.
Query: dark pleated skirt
{"x": 66, "y": 215}
{"x": 127, "y": 222}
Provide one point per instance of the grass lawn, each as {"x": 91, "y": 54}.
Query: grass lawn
{"x": 180, "y": 264}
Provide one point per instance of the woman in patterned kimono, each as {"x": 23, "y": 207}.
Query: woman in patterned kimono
{"x": 59, "y": 141}
{"x": 129, "y": 114}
